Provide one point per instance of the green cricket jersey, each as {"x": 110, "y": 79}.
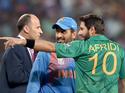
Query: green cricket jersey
{"x": 99, "y": 64}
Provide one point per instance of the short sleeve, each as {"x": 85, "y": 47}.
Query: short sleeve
{"x": 70, "y": 50}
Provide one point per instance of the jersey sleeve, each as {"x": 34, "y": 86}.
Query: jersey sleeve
{"x": 70, "y": 50}
{"x": 122, "y": 69}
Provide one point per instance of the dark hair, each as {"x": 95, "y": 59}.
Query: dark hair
{"x": 23, "y": 21}
{"x": 95, "y": 21}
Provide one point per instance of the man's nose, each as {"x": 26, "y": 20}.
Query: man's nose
{"x": 79, "y": 32}
{"x": 59, "y": 35}
{"x": 41, "y": 32}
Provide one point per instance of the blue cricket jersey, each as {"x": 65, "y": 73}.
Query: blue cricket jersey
{"x": 52, "y": 75}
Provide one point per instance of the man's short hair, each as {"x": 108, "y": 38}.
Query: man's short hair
{"x": 92, "y": 20}
{"x": 23, "y": 20}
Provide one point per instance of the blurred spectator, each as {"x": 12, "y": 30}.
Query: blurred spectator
{"x": 6, "y": 5}
{"x": 48, "y": 11}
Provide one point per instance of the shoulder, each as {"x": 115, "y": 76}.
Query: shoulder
{"x": 15, "y": 50}
{"x": 43, "y": 53}
{"x": 119, "y": 45}
{"x": 43, "y": 56}
{"x": 121, "y": 49}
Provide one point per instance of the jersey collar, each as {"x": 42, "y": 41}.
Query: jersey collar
{"x": 98, "y": 37}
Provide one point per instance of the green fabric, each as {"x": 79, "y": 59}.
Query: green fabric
{"x": 107, "y": 57}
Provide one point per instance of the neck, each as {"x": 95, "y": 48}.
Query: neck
{"x": 96, "y": 34}
{"x": 24, "y": 35}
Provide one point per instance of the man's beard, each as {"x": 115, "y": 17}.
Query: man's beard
{"x": 60, "y": 40}
{"x": 81, "y": 37}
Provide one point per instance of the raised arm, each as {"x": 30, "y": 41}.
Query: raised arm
{"x": 43, "y": 45}
{"x": 39, "y": 45}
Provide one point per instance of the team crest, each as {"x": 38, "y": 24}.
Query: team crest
{"x": 60, "y": 61}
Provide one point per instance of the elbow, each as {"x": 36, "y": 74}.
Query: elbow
{"x": 49, "y": 48}
{"x": 52, "y": 49}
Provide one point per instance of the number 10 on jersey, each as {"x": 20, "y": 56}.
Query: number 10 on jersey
{"x": 104, "y": 68}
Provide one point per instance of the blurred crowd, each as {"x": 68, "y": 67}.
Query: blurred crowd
{"x": 112, "y": 11}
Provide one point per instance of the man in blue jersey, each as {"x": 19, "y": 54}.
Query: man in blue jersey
{"x": 52, "y": 75}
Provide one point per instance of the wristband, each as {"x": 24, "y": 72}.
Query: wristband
{"x": 30, "y": 43}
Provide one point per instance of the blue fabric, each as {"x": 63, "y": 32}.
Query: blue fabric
{"x": 52, "y": 75}
{"x": 66, "y": 23}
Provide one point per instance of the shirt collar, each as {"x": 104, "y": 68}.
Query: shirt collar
{"x": 98, "y": 37}
{"x": 20, "y": 36}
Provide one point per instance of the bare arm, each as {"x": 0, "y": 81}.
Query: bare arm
{"x": 43, "y": 45}
{"x": 40, "y": 45}
{"x": 121, "y": 85}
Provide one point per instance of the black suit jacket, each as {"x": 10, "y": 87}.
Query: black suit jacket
{"x": 15, "y": 71}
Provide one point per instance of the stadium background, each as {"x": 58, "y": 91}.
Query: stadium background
{"x": 48, "y": 11}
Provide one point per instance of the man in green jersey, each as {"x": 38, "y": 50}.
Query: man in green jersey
{"x": 100, "y": 62}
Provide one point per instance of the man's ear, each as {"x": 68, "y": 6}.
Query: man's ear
{"x": 26, "y": 29}
{"x": 74, "y": 34}
{"x": 92, "y": 30}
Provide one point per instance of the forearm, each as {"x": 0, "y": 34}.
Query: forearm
{"x": 39, "y": 45}
{"x": 43, "y": 45}
{"x": 121, "y": 85}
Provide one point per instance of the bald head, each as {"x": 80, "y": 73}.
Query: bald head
{"x": 24, "y": 20}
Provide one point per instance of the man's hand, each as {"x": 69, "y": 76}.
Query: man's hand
{"x": 10, "y": 41}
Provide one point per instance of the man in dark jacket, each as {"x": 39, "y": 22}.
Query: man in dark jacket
{"x": 17, "y": 61}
